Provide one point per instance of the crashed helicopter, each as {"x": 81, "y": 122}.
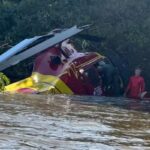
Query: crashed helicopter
{"x": 60, "y": 69}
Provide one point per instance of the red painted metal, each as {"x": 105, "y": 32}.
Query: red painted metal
{"x": 70, "y": 69}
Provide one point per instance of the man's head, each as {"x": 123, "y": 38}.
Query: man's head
{"x": 138, "y": 71}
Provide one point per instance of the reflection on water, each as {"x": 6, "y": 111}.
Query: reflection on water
{"x": 73, "y": 123}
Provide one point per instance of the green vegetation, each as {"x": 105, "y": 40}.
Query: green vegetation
{"x": 3, "y": 81}
{"x": 124, "y": 24}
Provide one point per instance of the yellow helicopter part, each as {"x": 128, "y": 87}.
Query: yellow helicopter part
{"x": 40, "y": 84}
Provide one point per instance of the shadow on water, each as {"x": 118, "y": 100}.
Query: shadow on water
{"x": 121, "y": 102}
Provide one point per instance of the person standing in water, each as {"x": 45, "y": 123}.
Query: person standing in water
{"x": 136, "y": 85}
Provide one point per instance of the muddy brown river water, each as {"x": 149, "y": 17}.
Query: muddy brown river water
{"x": 46, "y": 122}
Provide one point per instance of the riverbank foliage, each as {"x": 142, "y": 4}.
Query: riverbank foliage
{"x": 124, "y": 24}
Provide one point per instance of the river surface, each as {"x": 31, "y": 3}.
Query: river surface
{"x": 45, "y": 122}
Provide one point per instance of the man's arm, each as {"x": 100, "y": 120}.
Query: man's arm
{"x": 142, "y": 85}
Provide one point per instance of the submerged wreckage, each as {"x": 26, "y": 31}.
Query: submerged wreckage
{"x": 60, "y": 69}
